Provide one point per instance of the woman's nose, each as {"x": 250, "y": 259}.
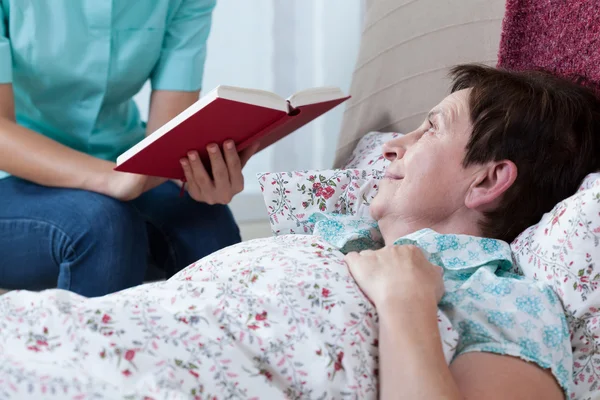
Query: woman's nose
{"x": 394, "y": 149}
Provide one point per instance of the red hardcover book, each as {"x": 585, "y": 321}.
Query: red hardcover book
{"x": 243, "y": 115}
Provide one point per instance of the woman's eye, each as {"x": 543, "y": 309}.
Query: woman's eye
{"x": 432, "y": 127}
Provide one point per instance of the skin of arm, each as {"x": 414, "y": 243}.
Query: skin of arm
{"x": 34, "y": 157}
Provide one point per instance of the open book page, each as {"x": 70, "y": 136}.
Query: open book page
{"x": 315, "y": 95}
{"x": 256, "y": 97}
{"x": 268, "y": 99}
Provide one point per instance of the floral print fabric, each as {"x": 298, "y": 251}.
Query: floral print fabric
{"x": 272, "y": 318}
{"x": 563, "y": 251}
{"x": 292, "y": 197}
{"x": 267, "y": 319}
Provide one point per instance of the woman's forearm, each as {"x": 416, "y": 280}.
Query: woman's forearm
{"x": 412, "y": 363}
{"x": 34, "y": 157}
{"x": 29, "y": 155}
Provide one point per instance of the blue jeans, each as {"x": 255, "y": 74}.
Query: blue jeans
{"x": 93, "y": 244}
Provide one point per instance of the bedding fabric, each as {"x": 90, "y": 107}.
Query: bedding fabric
{"x": 267, "y": 319}
{"x": 292, "y": 197}
{"x": 563, "y": 250}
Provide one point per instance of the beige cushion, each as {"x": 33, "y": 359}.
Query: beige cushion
{"x": 406, "y": 49}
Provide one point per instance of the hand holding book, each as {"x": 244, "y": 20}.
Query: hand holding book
{"x": 227, "y": 179}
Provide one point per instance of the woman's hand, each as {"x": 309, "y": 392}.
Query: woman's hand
{"x": 227, "y": 173}
{"x": 395, "y": 274}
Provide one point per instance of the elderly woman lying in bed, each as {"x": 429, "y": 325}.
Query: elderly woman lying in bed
{"x": 293, "y": 317}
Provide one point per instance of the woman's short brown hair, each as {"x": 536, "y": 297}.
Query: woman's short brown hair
{"x": 549, "y": 127}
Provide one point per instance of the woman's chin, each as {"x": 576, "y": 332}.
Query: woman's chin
{"x": 377, "y": 207}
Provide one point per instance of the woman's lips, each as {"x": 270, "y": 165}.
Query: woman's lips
{"x": 392, "y": 176}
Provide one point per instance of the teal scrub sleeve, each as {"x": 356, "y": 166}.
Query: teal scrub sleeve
{"x": 181, "y": 63}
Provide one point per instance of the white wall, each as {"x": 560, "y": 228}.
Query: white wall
{"x": 282, "y": 46}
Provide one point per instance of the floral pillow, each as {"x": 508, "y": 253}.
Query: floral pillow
{"x": 563, "y": 249}
{"x": 292, "y": 197}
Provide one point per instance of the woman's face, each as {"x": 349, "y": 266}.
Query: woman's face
{"x": 426, "y": 184}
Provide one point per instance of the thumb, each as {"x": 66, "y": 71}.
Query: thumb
{"x": 352, "y": 261}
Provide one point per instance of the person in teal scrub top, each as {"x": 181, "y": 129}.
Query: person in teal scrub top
{"x": 68, "y": 73}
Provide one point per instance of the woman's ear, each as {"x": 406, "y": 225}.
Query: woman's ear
{"x": 490, "y": 184}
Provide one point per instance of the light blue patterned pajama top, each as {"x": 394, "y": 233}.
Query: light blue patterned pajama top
{"x": 492, "y": 309}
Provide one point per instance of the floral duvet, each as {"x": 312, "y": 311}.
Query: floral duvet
{"x": 266, "y": 319}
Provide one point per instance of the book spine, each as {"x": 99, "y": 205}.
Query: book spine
{"x": 292, "y": 110}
